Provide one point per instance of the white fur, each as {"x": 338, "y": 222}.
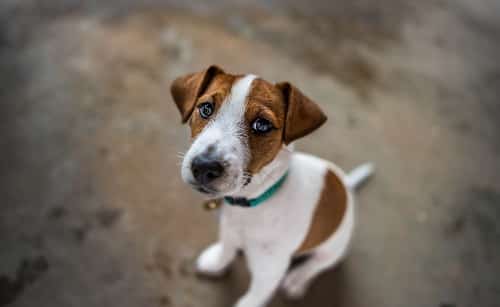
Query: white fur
{"x": 226, "y": 134}
{"x": 269, "y": 174}
{"x": 270, "y": 234}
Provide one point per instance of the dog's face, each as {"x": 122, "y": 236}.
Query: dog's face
{"x": 238, "y": 123}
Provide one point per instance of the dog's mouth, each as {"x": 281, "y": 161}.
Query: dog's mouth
{"x": 203, "y": 189}
{"x": 219, "y": 190}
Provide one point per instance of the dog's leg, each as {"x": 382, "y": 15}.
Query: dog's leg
{"x": 267, "y": 269}
{"x": 324, "y": 257}
{"x": 215, "y": 260}
{"x": 298, "y": 279}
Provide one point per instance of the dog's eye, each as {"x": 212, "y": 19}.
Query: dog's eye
{"x": 206, "y": 109}
{"x": 261, "y": 125}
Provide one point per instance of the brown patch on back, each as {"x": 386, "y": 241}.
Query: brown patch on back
{"x": 217, "y": 91}
{"x": 265, "y": 100}
{"x": 329, "y": 212}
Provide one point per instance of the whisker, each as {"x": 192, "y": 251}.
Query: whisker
{"x": 181, "y": 155}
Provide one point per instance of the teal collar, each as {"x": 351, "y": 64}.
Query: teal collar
{"x": 254, "y": 202}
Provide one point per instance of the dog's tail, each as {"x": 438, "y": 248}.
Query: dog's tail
{"x": 360, "y": 174}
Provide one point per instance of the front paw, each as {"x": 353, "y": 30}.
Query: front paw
{"x": 211, "y": 262}
{"x": 293, "y": 286}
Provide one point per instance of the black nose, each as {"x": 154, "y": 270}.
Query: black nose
{"x": 206, "y": 169}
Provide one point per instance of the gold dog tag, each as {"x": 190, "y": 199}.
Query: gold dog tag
{"x": 212, "y": 204}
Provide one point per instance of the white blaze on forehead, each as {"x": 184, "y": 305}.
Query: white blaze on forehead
{"x": 226, "y": 133}
{"x": 227, "y": 127}
{"x": 241, "y": 89}
{"x": 232, "y": 111}
{"x": 226, "y": 124}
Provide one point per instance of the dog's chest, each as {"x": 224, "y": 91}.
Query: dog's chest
{"x": 284, "y": 219}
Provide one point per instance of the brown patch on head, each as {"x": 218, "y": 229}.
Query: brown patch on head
{"x": 216, "y": 92}
{"x": 189, "y": 91}
{"x": 292, "y": 114}
{"x": 186, "y": 89}
{"x": 265, "y": 101}
{"x": 329, "y": 212}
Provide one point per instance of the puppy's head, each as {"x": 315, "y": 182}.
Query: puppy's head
{"x": 238, "y": 123}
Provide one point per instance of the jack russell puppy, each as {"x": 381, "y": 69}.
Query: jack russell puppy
{"x": 277, "y": 204}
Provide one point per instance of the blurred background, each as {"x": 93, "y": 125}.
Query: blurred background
{"x": 94, "y": 213}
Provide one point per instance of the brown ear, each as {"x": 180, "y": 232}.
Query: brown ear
{"x": 186, "y": 89}
{"x": 303, "y": 116}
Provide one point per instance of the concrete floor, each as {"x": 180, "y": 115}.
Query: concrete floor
{"x": 93, "y": 210}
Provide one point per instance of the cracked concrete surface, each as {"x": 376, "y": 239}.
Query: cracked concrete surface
{"x": 94, "y": 212}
